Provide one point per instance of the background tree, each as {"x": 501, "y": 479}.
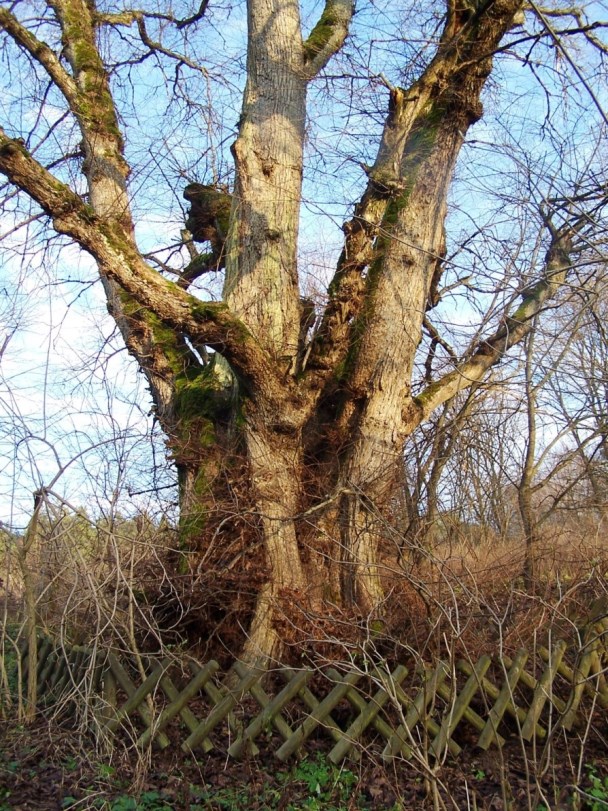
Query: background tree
{"x": 278, "y": 428}
{"x": 579, "y": 393}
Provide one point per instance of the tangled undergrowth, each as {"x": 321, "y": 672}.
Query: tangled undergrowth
{"x": 456, "y": 601}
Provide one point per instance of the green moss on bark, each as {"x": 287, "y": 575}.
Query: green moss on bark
{"x": 95, "y": 105}
{"x": 322, "y": 32}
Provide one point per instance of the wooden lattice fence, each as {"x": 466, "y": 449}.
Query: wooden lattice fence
{"x": 434, "y": 707}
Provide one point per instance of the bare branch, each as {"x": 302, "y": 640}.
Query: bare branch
{"x": 559, "y": 44}
{"x": 454, "y": 65}
{"x": 512, "y": 331}
{"x": 128, "y": 17}
{"x": 200, "y": 13}
{"x": 157, "y": 46}
{"x": 41, "y": 52}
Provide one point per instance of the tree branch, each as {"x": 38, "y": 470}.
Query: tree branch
{"x": 41, "y": 52}
{"x": 513, "y": 329}
{"x": 198, "y": 15}
{"x": 560, "y": 46}
{"x": 210, "y": 323}
{"x": 157, "y": 46}
{"x": 328, "y": 35}
{"x": 129, "y": 16}
{"x": 454, "y": 65}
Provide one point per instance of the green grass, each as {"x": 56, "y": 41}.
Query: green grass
{"x": 598, "y": 793}
{"x": 314, "y": 784}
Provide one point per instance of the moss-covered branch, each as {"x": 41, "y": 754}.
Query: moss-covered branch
{"x": 117, "y": 258}
{"x": 328, "y": 35}
{"x": 446, "y": 95}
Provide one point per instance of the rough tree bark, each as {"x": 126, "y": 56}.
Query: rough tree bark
{"x": 323, "y": 421}
{"x": 526, "y": 481}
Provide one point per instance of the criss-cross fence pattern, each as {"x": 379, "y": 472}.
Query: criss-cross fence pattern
{"x": 438, "y": 707}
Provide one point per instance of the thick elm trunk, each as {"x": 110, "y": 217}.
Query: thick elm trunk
{"x": 275, "y": 469}
{"x": 398, "y": 253}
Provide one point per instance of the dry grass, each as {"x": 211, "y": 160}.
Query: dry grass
{"x": 121, "y": 585}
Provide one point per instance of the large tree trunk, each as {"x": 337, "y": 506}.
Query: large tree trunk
{"x": 390, "y": 267}
{"x": 261, "y": 288}
{"x": 309, "y": 434}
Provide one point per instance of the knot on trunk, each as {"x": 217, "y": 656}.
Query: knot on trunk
{"x": 209, "y": 217}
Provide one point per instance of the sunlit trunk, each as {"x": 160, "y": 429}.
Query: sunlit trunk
{"x": 275, "y": 470}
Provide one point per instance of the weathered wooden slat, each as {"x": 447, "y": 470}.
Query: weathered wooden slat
{"x": 368, "y": 712}
{"x": 75, "y": 676}
{"x": 525, "y": 678}
{"x": 44, "y": 650}
{"x": 109, "y": 696}
{"x": 317, "y": 716}
{"x": 59, "y": 670}
{"x": 460, "y": 704}
{"x": 98, "y": 668}
{"x": 531, "y": 683}
{"x": 66, "y": 678}
{"x": 392, "y": 691}
{"x": 210, "y": 688}
{"x": 312, "y": 702}
{"x": 503, "y": 699}
{"x": 47, "y": 669}
{"x": 135, "y": 698}
{"x": 87, "y": 667}
{"x": 344, "y": 739}
{"x": 600, "y": 690}
{"x": 271, "y": 709}
{"x": 543, "y": 692}
{"x": 78, "y": 665}
{"x": 402, "y": 741}
{"x": 469, "y": 714}
{"x": 578, "y": 686}
{"x": 220, "y": 711}
{"x": 186, "y": 714}
{"x": 216, "y": 695}
{"x": 174, "y": 708}
{"x": 562, "y": 668}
